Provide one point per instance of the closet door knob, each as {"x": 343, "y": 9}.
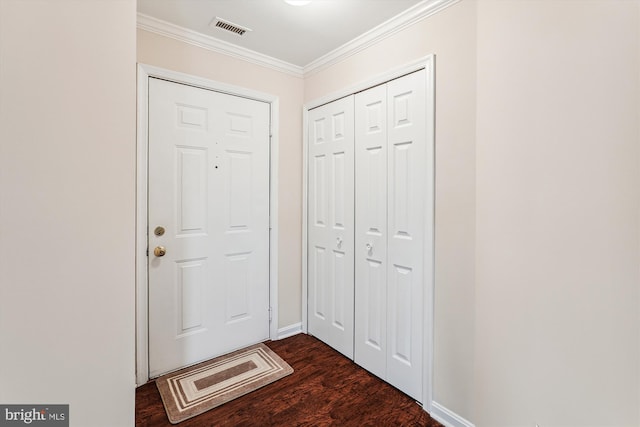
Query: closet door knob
{"x": 339, "y": 241}
{"x": 369, "y": 247}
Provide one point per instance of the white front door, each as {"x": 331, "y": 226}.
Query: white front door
{"x": 209, "y": 210}
{"x": 330, "y": 235}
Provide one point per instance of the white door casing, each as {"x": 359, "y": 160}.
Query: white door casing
{"x": 209, "y": 189}
{"x": 330, "y": 218}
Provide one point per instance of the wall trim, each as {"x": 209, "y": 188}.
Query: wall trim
{"x": 289, "y": 331}
{"x": 447, "y": 417}
{"x": 305, "y": 225}
{"x": 428, "y": 64}
{"x": 142, "y": 326}
{"x": 167, "y": 29}
{"x": 417, "y": 13}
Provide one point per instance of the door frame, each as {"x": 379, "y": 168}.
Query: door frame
{"x": 428, "y": 64}
{"x": 142, "y": 280}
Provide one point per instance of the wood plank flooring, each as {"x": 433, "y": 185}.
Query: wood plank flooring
{"x": 325, "y": 389}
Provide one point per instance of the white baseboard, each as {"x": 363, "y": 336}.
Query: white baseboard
{"x": 447, "y": 417}
{"x": 289, "y": 331}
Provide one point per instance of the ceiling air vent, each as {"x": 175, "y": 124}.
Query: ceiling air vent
{"x": 228, "y": 26}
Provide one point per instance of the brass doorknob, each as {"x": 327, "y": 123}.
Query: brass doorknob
{"x": 160, "y": 251}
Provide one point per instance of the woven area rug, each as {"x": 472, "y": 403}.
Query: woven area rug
{"x": 194, "y": 390}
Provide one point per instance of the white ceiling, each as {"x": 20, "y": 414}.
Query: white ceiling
{"x": 297, "y": 35}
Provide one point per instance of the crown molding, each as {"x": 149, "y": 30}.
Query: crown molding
{"x": 167, "y": 29}
{"x": 388, "y": 28}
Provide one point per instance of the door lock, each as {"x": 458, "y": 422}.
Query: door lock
{"x": 160, "y": 251}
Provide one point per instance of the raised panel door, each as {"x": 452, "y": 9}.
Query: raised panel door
{"x": 209, "y": 190}
{"x": 406, "y": 151}
{"x": 330, "y": 218}
{"x": 371, "y": 230}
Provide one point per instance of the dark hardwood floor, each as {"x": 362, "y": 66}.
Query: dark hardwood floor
{"x": 325, "y": 389}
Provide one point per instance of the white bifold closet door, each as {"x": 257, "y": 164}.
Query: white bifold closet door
{"x": 330, "y": 224}
{"x": 390, "y": 159}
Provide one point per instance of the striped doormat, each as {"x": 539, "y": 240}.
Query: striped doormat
{"x": 194, "y": 390}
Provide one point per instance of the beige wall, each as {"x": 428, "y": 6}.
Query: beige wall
{"x": 557, "y": 225}
{"x": 171, "y": 54}
{"x": 67, "y": 207}
{"x": 450, "y": 35}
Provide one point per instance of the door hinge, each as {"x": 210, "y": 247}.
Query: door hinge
{"x": 147, "y": 251}
{"x": 270, "y": 314}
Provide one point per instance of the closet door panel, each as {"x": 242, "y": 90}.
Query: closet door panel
{"x": 371, "y": 230}
{"x": 318, "y": 267}
{"x": 366, "y": 195}
{"x": 330, "y": 235}
{"x": 406, "y": 212}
